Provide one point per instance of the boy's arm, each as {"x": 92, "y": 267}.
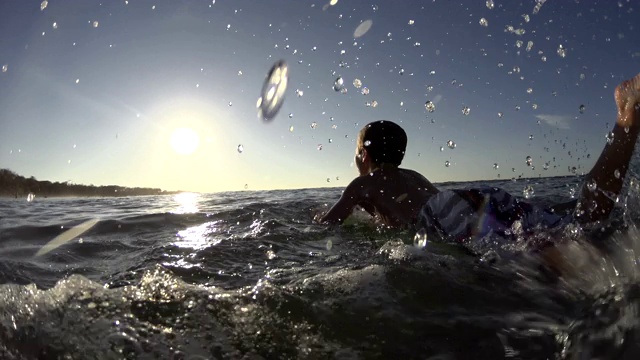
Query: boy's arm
{"x": 343, "y": 208}
{"x": 604, "y": 182}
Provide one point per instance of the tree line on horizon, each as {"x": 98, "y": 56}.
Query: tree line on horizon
{"x": 14, "y": 185}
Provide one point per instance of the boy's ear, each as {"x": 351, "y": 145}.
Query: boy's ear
{"x": 364, "y": 155}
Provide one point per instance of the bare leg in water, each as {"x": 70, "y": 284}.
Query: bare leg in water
{"x": 604, "y": 182}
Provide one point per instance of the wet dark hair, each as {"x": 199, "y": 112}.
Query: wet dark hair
{"x": 385, "y": 141}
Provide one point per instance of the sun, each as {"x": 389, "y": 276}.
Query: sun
{"x": 184, "y": 141}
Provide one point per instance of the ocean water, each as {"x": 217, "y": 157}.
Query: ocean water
{"x": 247, "y": 275}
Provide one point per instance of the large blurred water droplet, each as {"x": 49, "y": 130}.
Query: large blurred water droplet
{"x": 314, "y": 125}
{"x": 484, "y": 22}
{"x": 273, "y": 89}
{"x": 466, "y": 110}
{"x": 240, "y": 149}
{"x": 365, "y": 91}
{"x": 490, "y": 4}
{"x": 95, "y": 24}
{"x": 43, "y": 5}
{"x": 451, "y": 144}
{"x": 357, "y": 83}
{"x": 528, "y": 192}
{"x": 500, "y": 114}
{"x": 362, "y": 28}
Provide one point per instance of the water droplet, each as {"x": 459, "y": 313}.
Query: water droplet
{"x": 401, "y": 71}
{"x": 43, "y": 5}
{"x": 246, "y": 186}
{"x": 529, "y": 45}
{"x": 374, "y": 8}
{"x": 500, "y": 65}
{"x": 581, "y": 109}
{"x": 519, "y": 43}
{"x": 484, "y": 22}
{"x": 490, "y": 4}
{"x": 529, "y": 160}
{"x": 367, "y": 143}
{"x": 299, "y": 93}
{"x": 330, "y": 140}
{"x": 530, "y": 137}
{"x": 441, "y": 148}
{"x": 447, "y": 163}
{"x": 411, "y": 22}
{"x": 420, "y": 239}
{"x": 544, "y": 59}
{"x": 273, "y": 89}
{"x": 319, "y": 147}
{"x": 363, "y": 28}
{"x": 592, "y": 186}
{"x": 5, "y": 67}
{"x": 290, "y": 115}
{"x": 77, "y": 81}
{"x": 430, "y": 106}
{"x": 500, "y": 114}
{"x": 526, "y": 18}
{"x": 239, "y": 72}
{"x": 429, "y": 88}
{"x": 529, "y": 91}
{"x": 365, "y": 91}
{"x": 496, "y": 166}
{"x": 271, "y": 255}
{"x": 291, "y": 128}
{"x": 534, "y": 107}
{"x": 357, "y": 83}
{"x": 451, "y": 144}
{"x": 314, "y": 125}
{"x": 562, "y": 52}
{"x": 517, "y": 107}
{"x": 466, "y": 110}
{"x": 95, "y": 24}
{"x": 54, "y": 26}
{"x": 609, "y": 138}
{"x": 240, "y": 149}
{"x": 616, "y": 173}
{"x": 528, "y": 192}
{"x": 338, "y": 84}
{"x": 374, "y": 104}
{"x": 230, "y": 103}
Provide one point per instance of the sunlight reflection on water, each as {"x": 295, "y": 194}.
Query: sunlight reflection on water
{"x": 187, "y": 203}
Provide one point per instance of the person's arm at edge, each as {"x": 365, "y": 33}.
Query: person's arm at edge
{"x": 344, "y": 207}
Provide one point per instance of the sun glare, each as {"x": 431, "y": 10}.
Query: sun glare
{"x": 184, "y": 141}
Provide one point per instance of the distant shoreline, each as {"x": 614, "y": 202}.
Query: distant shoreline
{"x": 16, "y": 186}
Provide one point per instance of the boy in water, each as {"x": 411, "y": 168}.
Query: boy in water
{"x": 401, "y": 197}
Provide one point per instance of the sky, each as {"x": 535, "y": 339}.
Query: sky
{"x": 161, "y": 93}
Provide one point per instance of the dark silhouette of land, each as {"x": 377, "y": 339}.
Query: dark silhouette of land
{"x": 14, "y": 185}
